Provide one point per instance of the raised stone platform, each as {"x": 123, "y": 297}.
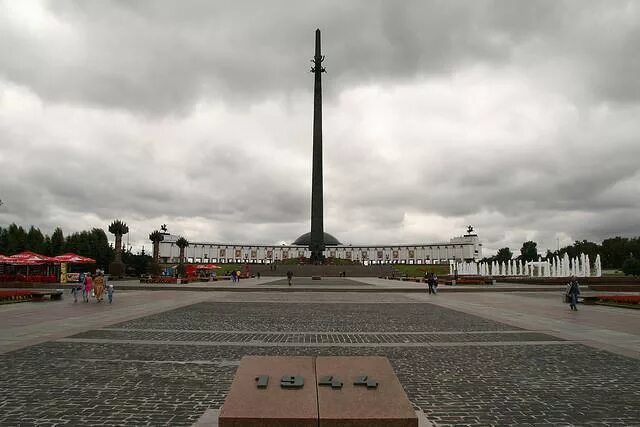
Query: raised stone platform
{"x": 371, "y": 395}
{"x": 325, "y": 391}
{"x": 257, "y": 399}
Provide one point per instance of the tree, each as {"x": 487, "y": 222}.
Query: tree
{"x": 631, "y": 267}
{"x": 616, "y": 250}
{"x": 93, "y": 244}
{"x": 581, "y": 247}
{"x": 4, "y": 239}
{"x": 136, "y": 263}
{"x": 118, "y": 228}
{"x": 57, "y": 242}
{"x": 529, "y": 251}
{"x": 35, "y": 240}
{"x": 16, "y": 239}
{"x": 156, "y": 237}
{"x": 182, "y": 243}
{"x": 181, "y": 270}
{"x": 503, "y": 255}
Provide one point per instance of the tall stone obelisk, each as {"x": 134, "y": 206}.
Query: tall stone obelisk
{"x": 316, "y": 242}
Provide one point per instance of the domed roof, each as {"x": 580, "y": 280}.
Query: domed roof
{"x": 305, "y": 240}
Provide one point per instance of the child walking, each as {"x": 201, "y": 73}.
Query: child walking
{"x": 110, "y": 292}
{"x": 75, "y": 289}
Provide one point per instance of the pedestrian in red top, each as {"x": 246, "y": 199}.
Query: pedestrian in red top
{"x": 87, "y": 286}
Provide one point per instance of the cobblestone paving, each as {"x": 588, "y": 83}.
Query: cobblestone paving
{"x": 154, "y": 384}
{"x": 312, "y": 338}
{"x": 305, "y": 317}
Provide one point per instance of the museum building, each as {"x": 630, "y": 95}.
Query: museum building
{"x": 467, "y": 247}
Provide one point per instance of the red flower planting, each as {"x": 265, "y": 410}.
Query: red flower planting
{"x": 5, "y": 294}
{"x": 624, "y": 299}
{"x": 15, "y": 296}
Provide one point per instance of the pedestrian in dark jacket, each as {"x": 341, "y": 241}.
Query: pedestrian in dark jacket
{"x": 573, "y": 290}
{"x": 430, "y": 282}
{"x": 289, "y": 276}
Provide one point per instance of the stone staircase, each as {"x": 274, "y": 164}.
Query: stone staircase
{"x": 326, "y": 270}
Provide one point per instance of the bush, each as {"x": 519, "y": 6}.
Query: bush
{"x": 631, "y": 267}
{"x": 116, "y": 269}
{"x": 155, "y": 269}
{"x": 181, "y": 270}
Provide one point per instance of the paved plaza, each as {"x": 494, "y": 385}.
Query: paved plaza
{"x": 157, "y": 357}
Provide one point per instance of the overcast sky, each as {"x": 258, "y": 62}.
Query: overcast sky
{"x": 517, "y": 117}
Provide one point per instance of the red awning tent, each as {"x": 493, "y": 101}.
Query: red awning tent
{"x": 192, "y": 269}
{"x": 72, "y": 258}
{"x": 29, "y": 258}
{"x": 32, "y": 258}
{"x": 206, "y": 266}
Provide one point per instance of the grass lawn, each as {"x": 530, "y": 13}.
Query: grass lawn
{"x": 612, "y": 273}
{"x": 418, "y": 270}
{"x": 411, "y": 270}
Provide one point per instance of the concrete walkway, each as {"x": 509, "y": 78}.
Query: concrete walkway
{"x": 29, "y": 323}
{"x": 608, "y": 328}
{"x": 329, "y": 284}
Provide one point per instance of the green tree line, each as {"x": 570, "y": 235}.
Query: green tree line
{"x": 92, "y": 243}
{"x": 614, "y": 252}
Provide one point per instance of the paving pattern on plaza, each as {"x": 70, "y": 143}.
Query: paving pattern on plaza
{"x": 309, "y": 317}
{"x": 377, "y": 338}
{"x": 307, "y": 281}
{"x": 171, "y": 367}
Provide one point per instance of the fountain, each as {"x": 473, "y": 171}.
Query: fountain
{"x": 598, "y": 266}
{"x": 565, "y": 265}
{"x": 580, "y": 266}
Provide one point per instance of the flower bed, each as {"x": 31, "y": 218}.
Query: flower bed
{"x": 468, "y": 281}
{"x": 163, "y": 279}
{"x": 620, "y": 299}
{"x": 37, "y": 278}
{"x": 14, "y": 296}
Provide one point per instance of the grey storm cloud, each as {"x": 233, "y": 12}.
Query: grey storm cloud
{"x": 158, "y": 57}
{"x": 517, "y": 117}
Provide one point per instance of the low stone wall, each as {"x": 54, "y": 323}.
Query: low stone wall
{"x": 604, "y": 280}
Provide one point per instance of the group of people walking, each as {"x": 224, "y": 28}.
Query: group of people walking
{"x": 235, "y": 276}
{"x": 93, "y": 286}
